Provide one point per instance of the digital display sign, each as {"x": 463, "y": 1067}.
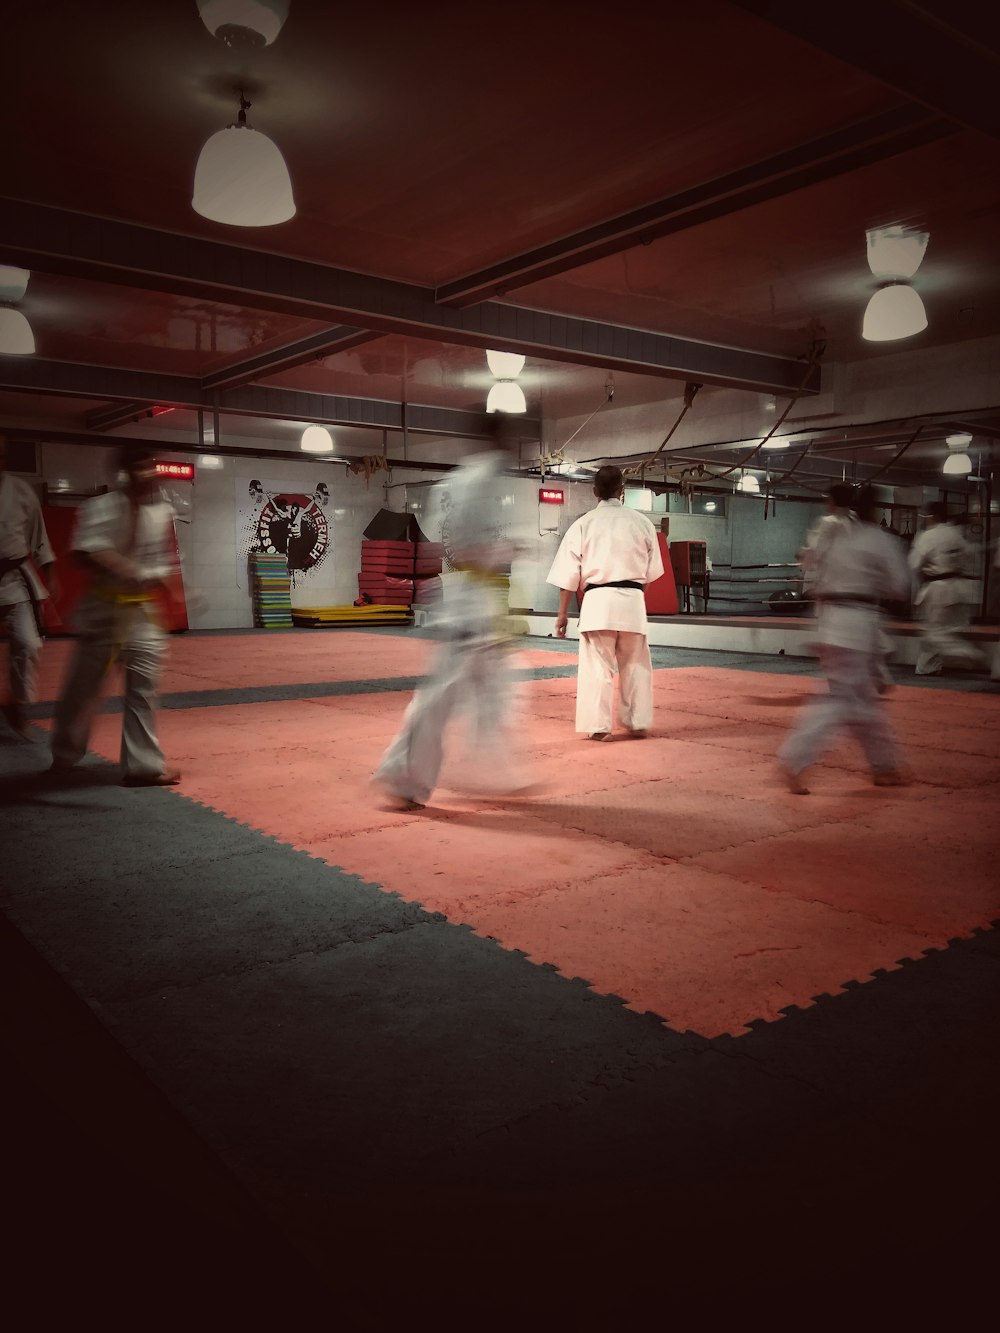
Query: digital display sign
{"x": 178, "y": 471}
{"x": 547, "y": 496}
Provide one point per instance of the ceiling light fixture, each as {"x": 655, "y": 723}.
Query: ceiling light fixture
{"x": 957, "y": 465}
{"x": 13, "y": 284}
{"x": 505, "y": 395}
{"x": 16, "y": 337}
{"x": 749, "y": 484}
{"x": 775, "y": 444}
{"x": 895, "y": 310}
{"x": 316, "y": 440}
{"x": 960, "y": 440}
{"x": 244, "y": 23}
{"x": 241, "y": 178}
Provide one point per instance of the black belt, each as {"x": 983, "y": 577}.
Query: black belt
{"x": 618, "y": 583}
{"x": 936, "y": 578}
{"x": 9, "y": 563}
{"x": 845, "y": 599}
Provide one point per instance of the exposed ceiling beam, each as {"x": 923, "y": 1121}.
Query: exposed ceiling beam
{"x": 341, "y": 338}
{"x": 145, "y": 442}
{"x": 325, "y": 343}
{"x": 58, "y": 241}
{"x": 846, "y": 149}
{"x": 135, "y": 387}
{"x": 902, "y": 44}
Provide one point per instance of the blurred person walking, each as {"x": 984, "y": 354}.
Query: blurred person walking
{"x": 942, "y": 561}
{"x": 125, "y": 539}
{"x": 857, "y": 569}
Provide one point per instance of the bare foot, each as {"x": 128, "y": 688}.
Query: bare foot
{"x": 599, "y": 736}
{"x": 794, "y": 781}
{"x": 168, "y": 778}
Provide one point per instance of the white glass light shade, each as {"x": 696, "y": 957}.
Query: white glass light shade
{"x": 711, "y": 506}
{"x": 506, "y": 396}
{"x": 961, "y": 440}
{"x": 16, "y": 338}
{"x": 893, "y": 312}
{"x": 210, "y": 460}
{"x": 316, "y": 440}
{"x": 13, "y": 283}
{"x": 241, "y": 179}
{"x": 957, "y": 465}
{"x": 244, "y": 22}
{"x": 749, "y": 485}
{"x": 895, "y": 252}
{"x": 505, "y": 365}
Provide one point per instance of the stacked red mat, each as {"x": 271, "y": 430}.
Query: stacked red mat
{"x": 399, "y": 573}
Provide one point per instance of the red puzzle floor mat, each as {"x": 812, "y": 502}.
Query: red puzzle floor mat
{"x": 218, "y": 662}
{"x": 675, "y": 872}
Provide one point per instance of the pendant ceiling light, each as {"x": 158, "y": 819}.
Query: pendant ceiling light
{"x": 957, "y": 465}
{"x": 749, "y": 484}
{"x": 505, "y": 395}
{"x": 895, "y": 310}
{"x": 16, "y": 337}
{"x": 241, "y": 178}
{"x": 316, "y": 440}
{"x": 244, "y": 24}
{"x": 13, "y": 283}
{"x": 960, "y": 440}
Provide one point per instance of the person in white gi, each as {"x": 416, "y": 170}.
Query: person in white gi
{"x": 839, "y": 513}
{"x": 125, "y": 538}
{"x": 857, "y": 569}
{"x": 472, "y": 668}
{"x": 941, "y": 559}
{"x": 23, "y": 539}
{"x": 613, "y": 553}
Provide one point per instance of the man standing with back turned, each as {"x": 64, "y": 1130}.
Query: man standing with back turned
{"x": 612, "y": 553}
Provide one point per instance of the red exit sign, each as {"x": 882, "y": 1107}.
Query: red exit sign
{"x": 550, "y": 497}
{"x": 178, "y": 471}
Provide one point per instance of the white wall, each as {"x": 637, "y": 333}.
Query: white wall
{"x": 209, "y": 542}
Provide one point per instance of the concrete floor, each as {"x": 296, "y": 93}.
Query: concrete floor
{"x": 658, "y": 1032}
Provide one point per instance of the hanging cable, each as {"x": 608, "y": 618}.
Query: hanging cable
{"x": 690, "y": 393}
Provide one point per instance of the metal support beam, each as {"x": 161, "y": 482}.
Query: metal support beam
{"x": 857, "y": 145}
{"x": 146, "y": 442}
{"x": 36, "y": 375}
{"x": 941, "y": 62}
{"x": 57, "y": 241}
{"x": 328, "y": 342}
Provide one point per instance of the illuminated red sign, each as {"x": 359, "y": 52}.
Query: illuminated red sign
{"x": 159, "y": 411}
{"x": 548, "y": 497}
{"x": 179, "y": 471}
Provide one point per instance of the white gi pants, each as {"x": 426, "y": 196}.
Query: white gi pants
{"x": 852, "y": 703}
{"x": 601, "y": 651}
{"x": 473, "y": 673}
{"x": 111, "y": 635}
{"x": 24, "y": 645}
{"x": 941, "y": 642}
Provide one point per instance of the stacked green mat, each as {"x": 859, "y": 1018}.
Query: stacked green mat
{"x": 272, "y": 591}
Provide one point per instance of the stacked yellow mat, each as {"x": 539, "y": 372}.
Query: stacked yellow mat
{"x": 352, "y": 615}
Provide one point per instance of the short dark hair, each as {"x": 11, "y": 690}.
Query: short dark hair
{"x": 842, "y": 494}
{"x": 128, "y": 456}
{"x": 938, "y": 509}
{"x": 608, "y": 481}
{"x": 865, "y": 502}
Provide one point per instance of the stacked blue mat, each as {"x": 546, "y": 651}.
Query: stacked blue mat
{"x": 272, "y": 595}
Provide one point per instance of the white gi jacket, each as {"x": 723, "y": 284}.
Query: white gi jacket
{"x": 942, "y": 558}
{"x": 479, "y": 545}
{"x": 858, "y": 560}
{"x": 22, "y": 532}
{"x": 104, "y": 524}
{"x": 609, "y": 544}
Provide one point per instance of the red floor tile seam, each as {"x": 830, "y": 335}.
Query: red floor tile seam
{"x": 780, "y": 891}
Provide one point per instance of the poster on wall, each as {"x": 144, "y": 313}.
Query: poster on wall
{"x": 279, "y": 518}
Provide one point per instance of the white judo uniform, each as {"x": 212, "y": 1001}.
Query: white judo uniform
{"x": 117, "y": 626}
{"x": 942, "y": 559}
{"x": 856, "y": 569}
{"x": 22, "y": 534}
{"x": 472, "y": 668}
{"x": 611, "y": 544}
{"x": 817, "y": 538}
